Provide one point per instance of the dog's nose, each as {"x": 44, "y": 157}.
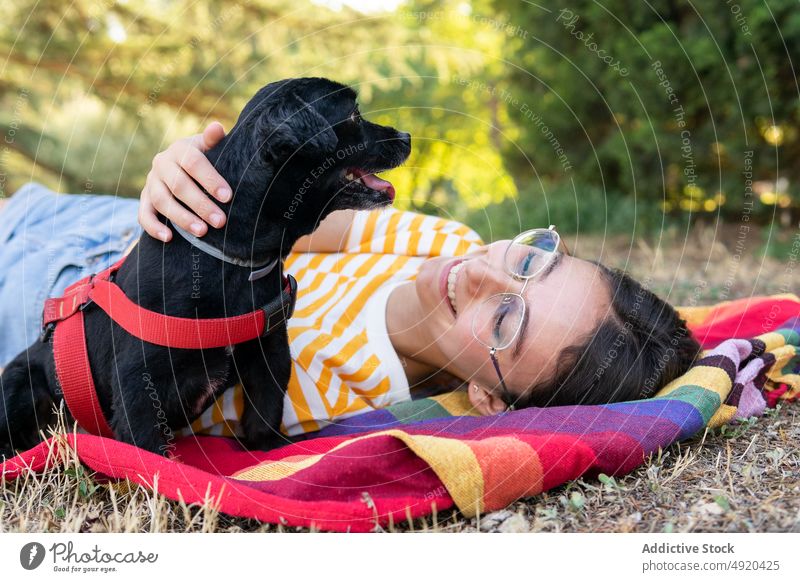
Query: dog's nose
{"x": 405, "y": 139}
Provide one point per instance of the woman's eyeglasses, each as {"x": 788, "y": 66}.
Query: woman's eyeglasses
{"x": 499, "y": 318}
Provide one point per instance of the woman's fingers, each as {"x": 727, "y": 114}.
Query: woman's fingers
{"x": 211, "y": 135}
{"x": 197, "y": 165}
{"x": 183, "y": 187}
{"x": 148, "y": 218}
{"x": 164, "y": 181}
{"x": 170, "y": 178}
{"x": 166, "y": 203}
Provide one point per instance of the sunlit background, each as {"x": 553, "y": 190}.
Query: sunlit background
{"x": 612, "y": 117}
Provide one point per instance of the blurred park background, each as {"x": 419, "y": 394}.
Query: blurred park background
{"x": 659, "y": 136}
{"x": 619, "y": 118}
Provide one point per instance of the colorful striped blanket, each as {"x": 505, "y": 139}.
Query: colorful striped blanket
{"x": 419, "y": 457}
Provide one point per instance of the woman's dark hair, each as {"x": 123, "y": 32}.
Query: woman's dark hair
{"x": 641, "y": 346}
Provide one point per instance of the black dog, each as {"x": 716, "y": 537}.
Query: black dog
{"x": 298, "y": 151}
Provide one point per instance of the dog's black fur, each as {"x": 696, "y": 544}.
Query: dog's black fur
{"x": 286, "y": 160}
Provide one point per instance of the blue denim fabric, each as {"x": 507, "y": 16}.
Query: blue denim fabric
{"x": 48, "y": 241}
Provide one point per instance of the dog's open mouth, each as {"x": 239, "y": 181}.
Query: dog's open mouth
{"x": 359, "y": 180}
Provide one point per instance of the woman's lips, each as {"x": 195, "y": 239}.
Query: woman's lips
{"x": 443, "y": 282}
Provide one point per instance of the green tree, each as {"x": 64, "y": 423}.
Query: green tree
{"x": 91, "y": 90}
{"x": 662, "y": 101}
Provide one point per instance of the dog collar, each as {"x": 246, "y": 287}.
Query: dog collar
{"x": 257, "y": 269}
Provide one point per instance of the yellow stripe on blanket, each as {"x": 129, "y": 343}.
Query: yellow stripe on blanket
{"x": 277, "y": 470}
{"x": 452, "y": 460}
{"x": 772, "y": 340}
{"x": 455, "y": 464}
{"x": 724, "y": 414}
{"x": 709, "y": 377}
{"x": 695, "y": 315}
{"x": 456, "y": 403}
{"x": 777, "y": 374}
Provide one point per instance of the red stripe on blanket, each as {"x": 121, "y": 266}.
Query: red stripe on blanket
{"x": 567, "y": 457}
{"x": 744, "y": 318}
{"x": 510, "y": 468}
{"x": 118, "y": 460}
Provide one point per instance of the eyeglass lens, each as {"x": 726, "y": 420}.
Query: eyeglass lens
{"x": 497, "y": 321}
{"x": 529, "y": 252}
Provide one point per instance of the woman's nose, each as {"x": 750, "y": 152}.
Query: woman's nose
{"x": 486, "y": 274}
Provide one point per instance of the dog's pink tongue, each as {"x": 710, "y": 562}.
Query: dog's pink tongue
{"x": 372, "y": 181}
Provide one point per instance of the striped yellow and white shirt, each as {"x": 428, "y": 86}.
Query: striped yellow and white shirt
{"x": 343, "y": 362}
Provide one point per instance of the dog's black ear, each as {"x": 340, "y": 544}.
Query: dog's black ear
{"x": 292, "y": 125}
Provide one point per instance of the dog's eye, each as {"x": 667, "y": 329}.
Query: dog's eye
{"x": 355, "y": 116}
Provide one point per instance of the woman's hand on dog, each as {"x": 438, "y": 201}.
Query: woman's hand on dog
{"x": 170, "y": 178}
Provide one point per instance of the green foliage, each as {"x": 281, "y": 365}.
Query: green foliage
{"x": 598, "y": 117}
{"x": 780, "y": 244}
{"x": 94, "y": 90}
{"x": 737, "y": 429}
{"x": 85, "y": 485}
{"x": 683, "y": 90}
{"x": 573, "y": 208}
{"x": 577, "y": 502}
{"x": 723, "y": 502}
{"x": 610, "y": 483}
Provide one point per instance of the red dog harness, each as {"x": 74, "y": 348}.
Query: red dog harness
{"x": 63, "y": 317}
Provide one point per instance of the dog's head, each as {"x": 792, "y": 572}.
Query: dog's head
{"x": 305, "y": 146}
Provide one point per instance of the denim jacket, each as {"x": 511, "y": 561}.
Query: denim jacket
{"x": 48, "y": 241}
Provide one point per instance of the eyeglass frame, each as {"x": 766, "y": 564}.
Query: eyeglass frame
{"x": 507, "y": 396}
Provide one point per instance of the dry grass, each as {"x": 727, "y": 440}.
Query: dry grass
{"x": 69, "y": 498}
{"x": 734, "y": 479}
{"x": 743, "y": 479}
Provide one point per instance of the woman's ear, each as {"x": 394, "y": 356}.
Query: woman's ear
{"x": 484, "y": 401}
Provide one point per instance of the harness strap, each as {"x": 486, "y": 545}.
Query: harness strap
{"x": 189, "y": 333}
{"x": 63, "y": 316}
{"x": 75, "y": 376}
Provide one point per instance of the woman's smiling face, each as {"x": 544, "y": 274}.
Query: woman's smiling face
{"x": 565, "y": 303}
